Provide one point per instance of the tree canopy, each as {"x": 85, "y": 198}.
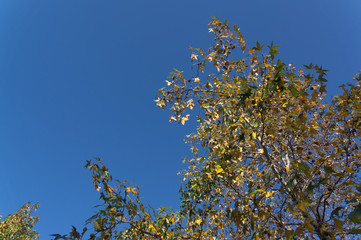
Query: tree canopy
{"x": 20, "y": 224}
{"x": 271, "y": 157}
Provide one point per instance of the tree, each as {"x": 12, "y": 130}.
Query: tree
{"x": 271, "y": 158}
{"x": 19, "y": 225}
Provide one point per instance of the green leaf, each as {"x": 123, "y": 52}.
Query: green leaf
{"x": 259, "y": 47}
{"x": 338, "y": 225}
{"x": 310, "y": 188}
{"x": 336, "y": 211}
{"x": 355, "y": 215}
{"x": 309, "y": 67}
{"x": 293, "y": 90}
{"x": 241, "y": 137}
{"x": 313, "y": 186}
{"x": 304, "y": 167}
{"x": 328, "y": 169}
{"x": 254, "y": 124}
{"x": 322, "y": 181}
{"x": 254, "y": 135}
{"x": 355, "y": 230}
{"x": 58, "y": 236}
{"x": 272, "y": 50}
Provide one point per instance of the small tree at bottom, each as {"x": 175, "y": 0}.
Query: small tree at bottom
{"x": 20, "y": 224}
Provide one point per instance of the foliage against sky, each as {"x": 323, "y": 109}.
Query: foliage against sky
{"x": 271, "y": 158}
{"x": 20, "y": 224}
{"x": 78, "y": 80}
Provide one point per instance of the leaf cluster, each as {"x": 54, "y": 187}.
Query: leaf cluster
{"x": 19, "y": 225}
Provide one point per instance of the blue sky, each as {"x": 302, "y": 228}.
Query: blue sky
{"x": 78, "y": 80}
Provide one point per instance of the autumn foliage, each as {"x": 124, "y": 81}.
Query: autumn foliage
{"x": 20, "y": 224}
{"x": 272, "y": 157}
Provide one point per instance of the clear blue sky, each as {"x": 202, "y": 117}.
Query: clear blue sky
{"x": 78, "y": 80}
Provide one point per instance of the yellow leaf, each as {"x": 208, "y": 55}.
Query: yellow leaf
{"x": 184, "y": 119}
{"x": 129, "y": 189}
{"x": 219, "y": 169}
{"x": 96, "y": 225}
{"x": 171, "y": 119}
{"x": 190, "y": 103}
{"x": 303, "y": 205}
{"x": 349, "y": 170}
{"x": 198, "y": 221}
{"x": 267, "y": 65}
{"x": 160, "y": 103}
{"x": 151, "y": 226}
{"x": 270, "y": 194}
{"x": 194, "y": 56}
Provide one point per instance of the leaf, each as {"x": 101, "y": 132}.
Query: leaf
{"x": 304, "y": 167}
{"x": 160, "y": 103}
{"x": 358, "y": 188}
{"x": 310, "y": 188}
{"x": 322, "y": 89}
{"x": 328, "y": 169}
{"x": 302, "y": 206}
{"x": 355, "y": 230}
{"x": 349, "y": 170}
{"x": 269, "y": 193}
{"x": 309, "y": 226}
{"x": 289, "y": 233}
{"x": 294, "y": 91}
{"x": 322, "y": 181}
{"x": 198, "y": 221}
{"x": 254, "y": 135}
{"x": 355, "y": 215}
{"x": 338, "y": 224}
{"x": 299, "y": 230}
{"x": 219, "y": 169}
{"x": 254, "y": 124}
{"x": 184, "y": 119}
{"x": 58, "y": 236}
{"x": 259, "y": 47}
{"x": 336, "y": 211}
{"x": 151, "y": 226}
{"x": 96, "y": 225}
{"x": 194, "y": 56}
{"x": 241, "y": 137}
